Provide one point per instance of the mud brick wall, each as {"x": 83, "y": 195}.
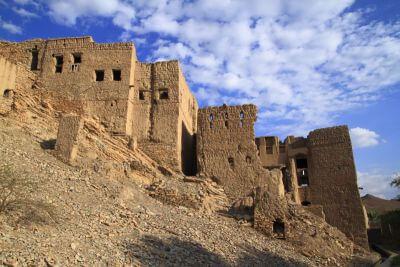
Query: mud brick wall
{"x": 226, "y": 149}
{"x": 76, "y": 81}
{"x": 142, "y": 100}
{"x": 8, "y": 72}
{"x": 333, "y": 181}
{"x": 68, "y": 137}
{"x": 165, "y": 113}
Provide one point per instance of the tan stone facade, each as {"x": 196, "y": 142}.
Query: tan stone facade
{"x": 149, "y": 102}
{"x": 226, "y": 148}
{"x": 319, "y": 173}
{"x": 68, "y": 138}
{"x": 151, "y": 105}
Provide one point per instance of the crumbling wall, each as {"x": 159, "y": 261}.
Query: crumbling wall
{"x": 166, "y": 110}
{"x": 333, "y": 181}
{"x": 8, "y": 72}
{"x": 69, "y": 67}
{"x": 142, "y": 100}
{"x": 226, "y": 149}
{"x": 82, "y": 77}
{"x": 187, "y": 129}
{"x": 270, "y": 207}
{"x": 28, "y": 52}
{"x": 68, "y": 138}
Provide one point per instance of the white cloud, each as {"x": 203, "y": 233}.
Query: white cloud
{"x": 24, "y": 13}
{"x": 23, "y": 2}
{"x": 10, "y": 27}
{"x": 362, "y": 137}
{"x": 377, "y": 183}
{"x": 301, "y": 62}
{"x": 67, "y": 11}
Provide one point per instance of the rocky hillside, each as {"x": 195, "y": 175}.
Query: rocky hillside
{"x": 141, "y": 215}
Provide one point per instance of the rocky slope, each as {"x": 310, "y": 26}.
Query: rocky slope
{"x": 142, "y": 215}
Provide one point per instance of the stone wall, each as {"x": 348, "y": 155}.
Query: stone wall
{"x": 142, "y": 100}
{"x": 226, "y": 149}
{"x": 8, "y": 72}
{"x": 165, "y": 115}
{"x": 69, "y": 67}
{"x": 333, "y": 181}
{"x": 68, "y": 138}
{"x": 150, "y": 102}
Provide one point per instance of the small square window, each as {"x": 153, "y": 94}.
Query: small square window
{"x": 77, "y": 58}
{"x": 99, "y": 75}
{"x": 116, "y": 75}
{"x": 141, "y": 95}
{"x": 164, "y": 94}
{"x": 59, "y": 60}
{"x": 58, "y": 69}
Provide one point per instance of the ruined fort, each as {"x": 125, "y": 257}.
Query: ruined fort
{"x": 151, "y": 108}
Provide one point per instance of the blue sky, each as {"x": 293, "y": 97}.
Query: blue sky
{"x": 306, "y": 64}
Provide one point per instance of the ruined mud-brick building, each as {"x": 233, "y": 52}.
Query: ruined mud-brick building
{"x": 149, "y": 101}
{"x": 319, "y": 172}
{"x": 152, "y": 104}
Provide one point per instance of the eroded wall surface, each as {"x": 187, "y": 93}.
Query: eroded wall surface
{"x": 333, "y": 181}
{"x": 68, "y": 137}
{"x": 8, "y": 72}
{"x": 149, "y": 101}
{"x": 165, "y": 115}
{"x": 226, "y": 149}
{"x": 86, "y": 72}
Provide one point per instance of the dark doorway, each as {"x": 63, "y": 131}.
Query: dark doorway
{"x": 302, "y": 171}
{"x": 35, "y": 59}
{"x": 279, "y": 228}
{"x": 188, "y": 152}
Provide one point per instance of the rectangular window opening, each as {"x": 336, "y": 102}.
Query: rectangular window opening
{"x": 164, "y": 94}
{"x": 59, "y": 64}
{"x": 77, "y": 58}
{"x": 99, "y": 75}
{"x": 59, "y": 60}
{"x": 141, "y": 95}
{"x": 35, "y": 60}
{"x": 116, "y": 75}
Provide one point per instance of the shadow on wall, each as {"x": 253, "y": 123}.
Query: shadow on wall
{"x": 188, "y": 153}
{"x": 153, "y": 251}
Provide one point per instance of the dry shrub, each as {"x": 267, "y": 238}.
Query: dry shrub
{"x": 16, "y": 200}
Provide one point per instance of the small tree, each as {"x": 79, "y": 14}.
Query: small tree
{"x": 396, "y": 182}
{"x": 15, "y": 198}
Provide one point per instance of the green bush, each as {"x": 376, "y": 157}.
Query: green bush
{"x": 15, "y": 198}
